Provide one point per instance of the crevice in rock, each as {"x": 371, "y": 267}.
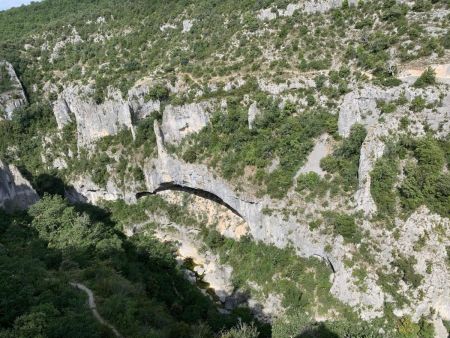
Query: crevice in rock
{"x": 198, "y": 192}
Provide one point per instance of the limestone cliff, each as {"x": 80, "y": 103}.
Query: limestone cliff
{"x": 13, "y": 95}
{"x": 16, "y": 193}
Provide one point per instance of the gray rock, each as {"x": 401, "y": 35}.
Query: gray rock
{"x": 84, "y": 190}
{"x": 180, "y": 121}
{"x": 94, "y": 121}
{"x": 13, "y": 98}
{"x": 16, "y": 193}
{"x": 253, "y": 112}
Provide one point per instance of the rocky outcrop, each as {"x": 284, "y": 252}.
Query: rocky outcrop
{"x": 16, "y": 193}
{"x": 207, "y": 268}
{"x": 321, "y": 149}
{"x": 84, "y": 190}
{"x": 13, "y": 95}
{"x": 94, "y": 121}
{"x": 308, "y": 7}
{"x": 253, "y": 113}
{"x": 180, "y": 121}
{"x": 360, "y": 106}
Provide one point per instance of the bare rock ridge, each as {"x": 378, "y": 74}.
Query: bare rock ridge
{"x": 16, "y": 193}
{"x": 12, "y": 96}
{"x": 95, "y": 120}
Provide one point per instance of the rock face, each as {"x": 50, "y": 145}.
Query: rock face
{"x": 308, "y": 7}
{"x": 167, "y": 172}
{"x": 360, "y": 106}
{"x": 13, "y": 96}
{"x": 139, "y": 106}
{"x": 84, "y": 190}
{"x": 180, "y": 121}
{"x": 16, "y": 193}
{"x": 253, "y": 112}
{"x": 321, "y": 149}
{"x": 94, "y": 121}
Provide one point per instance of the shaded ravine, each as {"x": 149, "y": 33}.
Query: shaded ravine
{"x": 93, "y": 307}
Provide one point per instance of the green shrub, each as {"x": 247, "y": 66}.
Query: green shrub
{"x": 345, "y": 160}
{"x": 158, "y": 92}
{"x": 383, "y": 178}
{"x": 418, "y": 104}
{"x": 428, "y": 78}
{"x": 344, "y": 225}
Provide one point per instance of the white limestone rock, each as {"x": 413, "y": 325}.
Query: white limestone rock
{"x": 253, "y": 113}
{"x": 322, "y": 148}
{"x": 16, "y": 193}
{"x": 139, "y": 106}
{"x": 15, "y": 96}
{"x": 84, "y": 190}
{"x": 94, "y": 121}
{"x": 181, "y": 121}
{"x": 360, "y": 106}
{"x": 187, "y": 26}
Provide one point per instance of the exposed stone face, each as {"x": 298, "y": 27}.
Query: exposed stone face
{"x": 308, "y": 7}
{"x": 84, "y": 190}
{"x": 180, "y": 121}
{"x": 166, "y": 171}
{"x": 321, "y": 149}
{"x": 360, "y": 106}
{"x": 141, "y": 108}
{"x": 253, "y": 113}
{"x": 94, "y": 121}
{"x": 16, "y": 193}
{"x": 14, "y": 97}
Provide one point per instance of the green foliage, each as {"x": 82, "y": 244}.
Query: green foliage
{"x": 345, "y": 160}
{"x": 418, "y": 104}
{"x": 228, "y": 142}
{"x": 383, "y": 178}
{"x": 425, "y": 182}
{"x": 5, "y": 81}
{"x": 241, "y": 331}
{"x": 405, "y": 265}
{"x": 312, "y": 183}
{"x": 408, "y": 329}
{"x": 158, "y": 92}
{"x": 428, "y": 78}
{"x": 344, "y": 225}
{"x": 137, "y": 283}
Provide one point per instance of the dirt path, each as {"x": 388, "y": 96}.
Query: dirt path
{"x": 93, "y": 307}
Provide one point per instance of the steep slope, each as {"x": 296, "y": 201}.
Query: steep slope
{"x": 320, "y": 129}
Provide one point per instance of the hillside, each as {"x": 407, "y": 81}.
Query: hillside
{"x": 226, "y": 168}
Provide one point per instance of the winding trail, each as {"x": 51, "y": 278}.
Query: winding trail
{"x": 93, "y": 307}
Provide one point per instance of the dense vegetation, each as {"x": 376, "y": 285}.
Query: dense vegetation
{"x": 425, "y": 180}
{"x": 230, "y": 145}
{"x": 137, "y": 283}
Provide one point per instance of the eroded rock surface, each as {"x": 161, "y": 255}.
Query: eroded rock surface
{"x": 93, "y": 120}
{"x": 16, "y": 193}
{"x": 180, "y": 121}
{"x": 13, "y": 95}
